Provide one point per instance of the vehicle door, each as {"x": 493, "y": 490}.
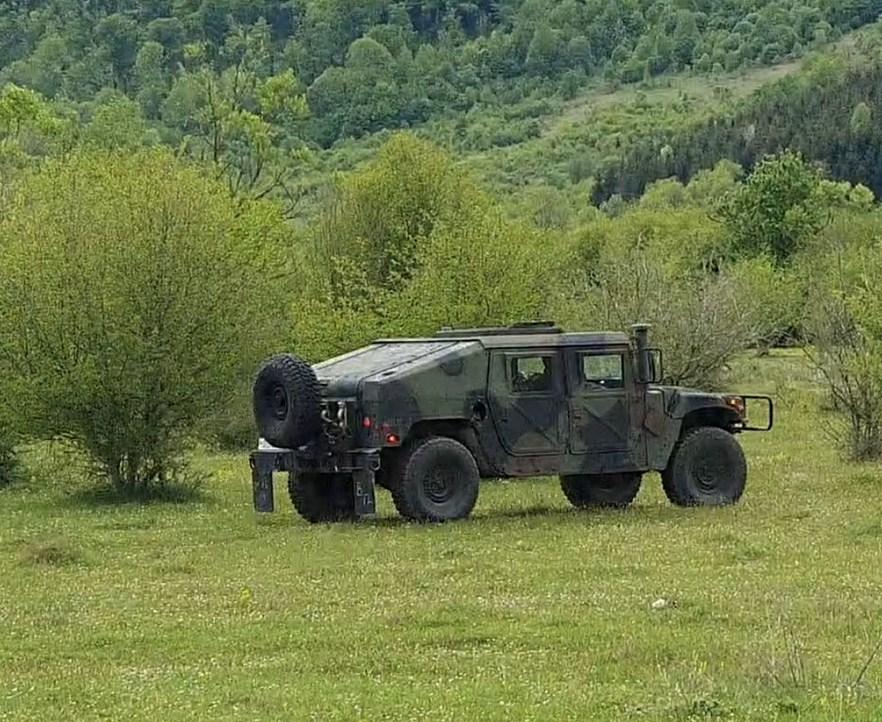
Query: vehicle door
{"x": 527, "y": 401}
{"x": 599, "y": 382}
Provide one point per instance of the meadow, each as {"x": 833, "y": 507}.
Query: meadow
{"x": 528, "y": 611}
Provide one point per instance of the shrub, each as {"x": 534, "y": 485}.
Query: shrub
{"x": 489, "y": 271}
{"x": 648, "y": 267}
{"x": 135, "y": 294}
{"x": 844, "y": 324}
{"x": 777, "y": 210}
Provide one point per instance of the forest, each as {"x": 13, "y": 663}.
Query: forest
{"x": 188, "y": 187}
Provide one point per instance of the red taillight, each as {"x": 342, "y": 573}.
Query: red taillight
{"x": 366, "y": 422}
{"x": 392, "y": 439}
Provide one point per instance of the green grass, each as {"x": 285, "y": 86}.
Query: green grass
{"x": 529, "y": 611}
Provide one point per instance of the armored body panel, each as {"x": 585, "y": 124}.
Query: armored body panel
{"x": 527, "y": 400}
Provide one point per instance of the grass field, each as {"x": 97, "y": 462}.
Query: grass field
{"x": 529, "y": 611}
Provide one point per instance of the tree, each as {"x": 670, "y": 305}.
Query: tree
{"x": 861, "y": 120}
{"x": 844, "y": 324}
{"x": 9, "y": 466}
{"x": 775, "y": 211}
{"x": 484, "y": 272}
{"x": 382, "y": 213}
{"x": 543, "y": 52}
{"x": 227, "y": 122}
{"x": 686, "y": 37}
{"x": 650, "y": 266}
{"x": 117, "y": 124}
{"x": 119, "y": 35}
{"x": 150, "y": 78}
{"x": 407, "y": 243}
{"x": 134, "y": 293}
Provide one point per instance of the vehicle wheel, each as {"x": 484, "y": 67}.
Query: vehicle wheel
{"x": 322, "y": 497}
{"x": 287, "y": 405}
{"x": 600, "y": 490}
{"x": 437, "y": 481}
{"x": 707, "y": 468}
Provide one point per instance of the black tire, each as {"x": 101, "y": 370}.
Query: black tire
{"x": 707, "y": 468}
{"x": 601, "y": 491}
{"x": 437, "y": 480}
{"x": 322, "y": 497}
{"x": 287, "y": 402}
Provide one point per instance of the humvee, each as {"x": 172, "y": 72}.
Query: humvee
{"x": 427, "y": 418}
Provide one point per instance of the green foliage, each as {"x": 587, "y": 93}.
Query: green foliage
{"x": 409, "y": 244}
{"x": 134, "y": 292}
{"x": 382, "y": 213}
{"x": 650, "y": 266}
{"x": 776, "y": 211}
{"x": 391, "y": 64}
{"x": 844, "y": 323}
{"x": 485, "y": 271}
{"x": 861, "y": 120}
{"x": 232, "y": 122}
{"x": 826, "y": 112}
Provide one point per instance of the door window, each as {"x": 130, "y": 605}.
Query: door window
{"x": 531, "y": 373}
{"x": 602, "y": 371}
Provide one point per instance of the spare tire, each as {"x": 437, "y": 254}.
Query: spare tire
{"x": 287, "y": 402}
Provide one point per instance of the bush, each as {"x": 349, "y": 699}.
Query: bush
{"x": 409, "y": 245}
{"x": 487, "y": 272}
{"x": 648, "y": 267}
{"x": 135, "y": 294}
{"x": 844, "y": 324}
{"x": 777, "y": 210}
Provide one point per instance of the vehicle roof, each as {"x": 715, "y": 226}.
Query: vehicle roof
{"x": 516, "y": 338}
{"x": 385, "y": 357}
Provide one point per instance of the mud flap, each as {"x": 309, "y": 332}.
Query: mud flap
{"x": 262, "y": 467}
{"x": 365, "y": 496}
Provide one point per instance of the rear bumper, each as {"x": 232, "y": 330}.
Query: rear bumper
{"x": 361, "y": 463}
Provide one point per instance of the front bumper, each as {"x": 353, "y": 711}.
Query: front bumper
{"x": 362, "y": 464}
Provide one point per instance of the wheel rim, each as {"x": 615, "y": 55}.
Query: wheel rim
{"x": 279, "y": 403}
{"x": 709, "y": 476}
{"x": 439, "y": 486}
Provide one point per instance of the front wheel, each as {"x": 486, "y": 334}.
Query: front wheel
{"x": 436, "y": 481}
{"x": 707, "y": 468}
{"x": 611, "y": 491}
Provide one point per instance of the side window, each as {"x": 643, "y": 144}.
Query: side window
{"x": 603, "y": 371}
{"x": 531, "y": 373}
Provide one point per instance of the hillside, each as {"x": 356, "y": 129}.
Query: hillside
{"x": 525, "y": 93}
{"x": 827, "y": 112}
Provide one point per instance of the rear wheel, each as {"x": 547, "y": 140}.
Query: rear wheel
{"x": 436, "y": 481}
{"x": 707, "y": 468}
{"x": 585, "y": 491}
{"x": 322, "y": 497}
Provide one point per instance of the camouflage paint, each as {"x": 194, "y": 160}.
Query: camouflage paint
{"x": 459, "y": 383}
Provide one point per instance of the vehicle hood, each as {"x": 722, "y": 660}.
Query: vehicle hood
{"x": 679, "y": 400}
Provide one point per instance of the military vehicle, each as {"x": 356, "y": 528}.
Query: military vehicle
{"x": 427, "y": 418}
